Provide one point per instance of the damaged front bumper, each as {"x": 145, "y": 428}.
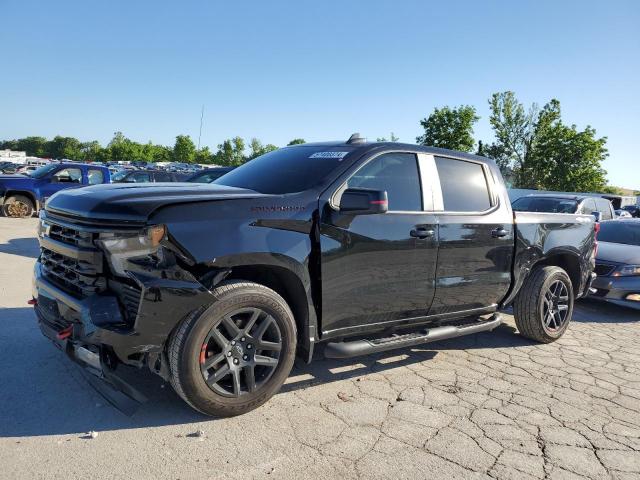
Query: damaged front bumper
{"x": 94, "y": 332}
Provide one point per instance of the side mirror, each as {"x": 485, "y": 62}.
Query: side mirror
{"x": 359, "y": 201}
{"x": 598, "y": 216}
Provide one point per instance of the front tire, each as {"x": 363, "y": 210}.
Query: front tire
{"x": 233, "y": 356}
{"x": 544, "y": 305}
{"x": 18, "y": 206}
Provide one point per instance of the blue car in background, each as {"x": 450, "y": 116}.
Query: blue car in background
{"x": 23, "y": 194}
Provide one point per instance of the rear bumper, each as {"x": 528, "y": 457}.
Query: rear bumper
{"x": 617, "y": 290}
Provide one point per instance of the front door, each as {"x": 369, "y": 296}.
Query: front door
{"x": 379, "y": 269}
{"x": 68, "y": 177}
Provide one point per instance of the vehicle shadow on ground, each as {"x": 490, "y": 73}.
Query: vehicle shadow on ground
{"x": 23, "y": 247}
{"x": 44, "y": 393}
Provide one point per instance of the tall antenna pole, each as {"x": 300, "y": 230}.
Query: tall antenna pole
{"x": 201, "y": 118}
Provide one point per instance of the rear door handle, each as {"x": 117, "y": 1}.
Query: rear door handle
{"x": 421, "y": 232}
{"x": 499, "y": 232}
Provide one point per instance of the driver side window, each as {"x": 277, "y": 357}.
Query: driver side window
{"x": 397, "y": 174}
{"x": 68, "y": 175}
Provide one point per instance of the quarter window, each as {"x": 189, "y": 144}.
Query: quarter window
{"x": 464, "y": 185}
{"x": 397, "y": 174}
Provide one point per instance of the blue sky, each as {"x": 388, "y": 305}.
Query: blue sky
{"x": 318, "y": 70}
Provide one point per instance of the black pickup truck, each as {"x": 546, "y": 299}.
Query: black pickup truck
{"x": 363, "y": 247}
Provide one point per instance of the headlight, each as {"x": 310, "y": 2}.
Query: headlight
{"x": 627, "y": 271}
{"x": 121, "y": 247}
{"x": 43, "y": 227}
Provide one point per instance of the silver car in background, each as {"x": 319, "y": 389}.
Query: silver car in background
{"x": 618, "y": 262}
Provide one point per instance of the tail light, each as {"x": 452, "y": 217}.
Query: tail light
{"x": 596, "y": 229}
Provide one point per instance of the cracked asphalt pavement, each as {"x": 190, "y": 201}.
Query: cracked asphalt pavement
{"x": 492, "y": 405}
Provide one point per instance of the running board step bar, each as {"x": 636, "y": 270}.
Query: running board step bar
{"x": 366, "y": 347}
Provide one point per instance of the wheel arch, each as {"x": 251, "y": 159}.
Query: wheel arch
{"x": 288, "y": 285}
{"x": 25, "y": 193}
{"x": 569, "y": 262}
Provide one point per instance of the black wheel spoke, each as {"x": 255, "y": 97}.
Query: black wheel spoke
{"x": 220, "y": 339}
{"x": 219, "y": 375}
{"x": 262, "y": 328}
{"x": 271, "y": 346}
{"x": 266, "y": 361}
{"x": 213, "y": 361}
{"x": 237, "y": 388}
{"x": 230, "y": 325}
{"x": 250, "y": 377}
{"x": 252, "y": 320}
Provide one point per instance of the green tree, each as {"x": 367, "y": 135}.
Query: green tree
{"x": 64, "y": 147}
{"x": 121, "y": 148}
{"x": 184, "y": 149}
{"x": 449, "y": 128}
{"x": 257, "y": 148}
{"x": 91, "y": 151}
{"x": 514, "y": 129}
{"x": 392, "y": 138}
{"x": 611, "y": 190}
{"x": 203, "y": 155}
{"x": 540, "y": 150}
{"x": 33, "y": 146}
{"x": 230, "y": 152}
{"x": 296, "y": 141}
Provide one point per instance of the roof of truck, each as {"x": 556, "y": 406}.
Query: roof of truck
{"x": 366, "y": 146}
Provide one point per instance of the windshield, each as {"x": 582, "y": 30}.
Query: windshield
{"x": 116, "y": 177}
{"x": 287, "y": 170}
{"x": 42, "y": 171}
{"x": 617, "y": 231}
{"x": 545, "y": 204}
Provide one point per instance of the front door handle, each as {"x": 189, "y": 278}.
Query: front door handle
{"x": 499, "y": 232}
{"x": 421, "y": 233}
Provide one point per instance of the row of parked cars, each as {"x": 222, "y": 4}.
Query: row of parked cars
{"x": 618, "y": 255}
{"x": 24, "y": 193}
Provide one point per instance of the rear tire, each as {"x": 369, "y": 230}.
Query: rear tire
{"x": 233, "y": 356}
{"x": 18, "y": 206}
{"x": 544, "y": 305}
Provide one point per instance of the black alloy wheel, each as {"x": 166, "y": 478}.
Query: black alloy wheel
{"x": 241, "y": 352}
{"x": 555, "y": 306}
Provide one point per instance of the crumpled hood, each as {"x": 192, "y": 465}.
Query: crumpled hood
{"x": 619, "y": 253}
{"x": 130, "y": 202}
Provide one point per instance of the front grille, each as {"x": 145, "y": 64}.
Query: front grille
{"x": 604, "y": 269}
{"x": 74, "y": 276}
{"x": 71, "y": 236}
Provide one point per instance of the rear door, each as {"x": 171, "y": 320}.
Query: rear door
{"x": 476, "y": 239}
{"x": 378, "y": 270}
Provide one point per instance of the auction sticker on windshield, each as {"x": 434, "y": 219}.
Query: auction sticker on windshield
{"x": 339, "y": 155}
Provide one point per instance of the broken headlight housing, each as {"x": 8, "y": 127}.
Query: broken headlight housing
{"x": 121, "y": 247}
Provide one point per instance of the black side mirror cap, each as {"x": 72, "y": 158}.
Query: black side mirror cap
{"x": 360, "y": 201}
{"x": 598, "y": 216}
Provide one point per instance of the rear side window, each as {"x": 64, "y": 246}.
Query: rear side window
{"x": 95, "y": 177}
{"x": 162, "y": 177}
{"x": 138, "y": 177}
{"x": 604, "y": 206}
{"x": 464, "y": 186}
{"x": 397, "y": 174}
